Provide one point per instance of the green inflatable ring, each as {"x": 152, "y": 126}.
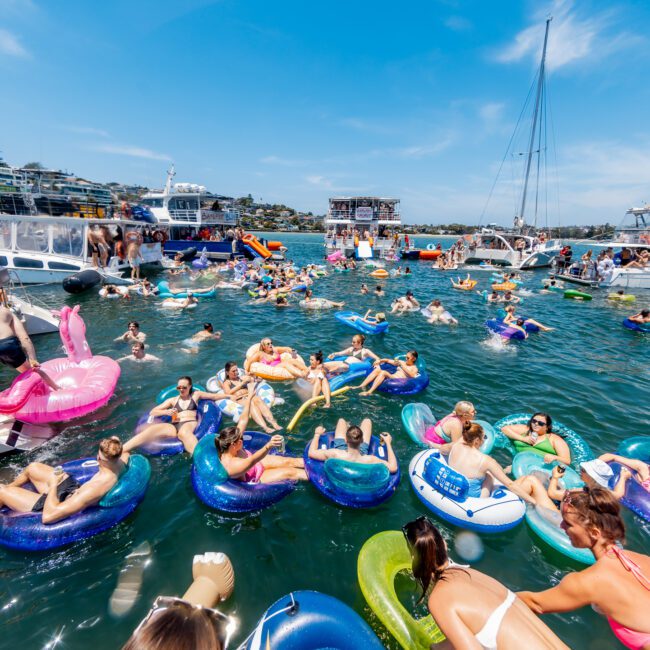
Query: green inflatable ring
{"x": 381, "y": 558}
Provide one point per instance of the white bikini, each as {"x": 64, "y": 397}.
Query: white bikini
{"x": 487, "y": 637}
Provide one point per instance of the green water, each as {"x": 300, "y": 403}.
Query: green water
{"x": 591, "y": 374}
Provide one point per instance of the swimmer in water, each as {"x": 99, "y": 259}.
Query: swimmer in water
{"x": 364, "y": 289}
{"x": 404, "y": 370}
{"x": 181, "y": 303}
{"x": 132, "y": 334}
{"x": 206, "y": 334}
{"x": 138, "y": 353}
{"x": 316, "y": 375}
{"x": 379, "y": 292}
{"x": 258, "y": 466}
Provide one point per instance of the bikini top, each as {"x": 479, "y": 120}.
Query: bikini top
{"x": 192, "y": 406}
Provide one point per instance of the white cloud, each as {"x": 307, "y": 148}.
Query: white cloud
{"x": 319, "y": 181}
{"x": 283, "y": 162}
{"x": 491, "y": 112}
{"x": 425, "y": 150}
{"x": 11, "y": 46}
{"x": 572, "y": 37}
{"x": 128, "y": 150}
{"x": 87, "y": 130}
{"x": 458, "y": 24}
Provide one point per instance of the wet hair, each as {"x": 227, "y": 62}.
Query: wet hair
{"x": 229, "y": 366}
{"x": 378, "y": 288}
{"x": 208, "y": 327}
{"x": 187, "y": 379}
{"x": 429, "y": 552}
{"x": 463, "y": 407}
{"x": 134, "y": 323}
{"x": 111, "y": 448}
{"x": 645, "y": 312}
{"x": 354, "y": 436}
{"x": 436, "y": 302}
{"x": 138, "y": 344}
{"x": 111, "y": 289}
{"x": 546, "y": 416}
{"x": 318, "y": 356}
{"x": 598, "y": 508}
{"x": 413, "y": 353}
{"x": 361, "y": 337}
{"x": 520, "y": 322}
{"x": 179, "y": 627}
{"x": 472, "y": 433}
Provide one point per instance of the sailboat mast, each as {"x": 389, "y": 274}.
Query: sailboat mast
{"x": 538, "y": 97}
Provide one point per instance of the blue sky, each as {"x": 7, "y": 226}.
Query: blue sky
{"x": 298, "y": 101}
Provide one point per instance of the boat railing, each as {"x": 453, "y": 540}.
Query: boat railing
{"x": 378, "y": 242}
{"x": 349, "y": 215}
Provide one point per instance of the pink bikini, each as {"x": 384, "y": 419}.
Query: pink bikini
{"x": 435, "y": 433}
{"x": 254, "y": 474}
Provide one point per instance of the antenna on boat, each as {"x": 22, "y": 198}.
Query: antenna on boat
{"x": 533, "y": 131}
{"x": 171, "y": 172}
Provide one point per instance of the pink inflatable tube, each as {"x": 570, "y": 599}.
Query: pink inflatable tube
{"x": 336, "y": 255}
{"x": 86, "y": 382}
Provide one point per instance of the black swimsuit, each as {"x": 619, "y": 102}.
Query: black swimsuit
{"x": 66, "y": 488}
{"x": 11, "y": 352}
{"x": 192, "y": 406}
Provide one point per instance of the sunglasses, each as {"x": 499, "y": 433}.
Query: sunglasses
{"x": 182, "y": 387}
{"x": 539, "y": 423}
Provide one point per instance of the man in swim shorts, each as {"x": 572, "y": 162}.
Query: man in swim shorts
{"x": 17, "y": 349}
{"x": 351, "y": 443}
{"x": 59, "y": 495}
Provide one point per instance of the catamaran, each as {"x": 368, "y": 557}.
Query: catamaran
{"x": 522, "y": 246}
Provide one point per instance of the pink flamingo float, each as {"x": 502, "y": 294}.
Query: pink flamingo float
{"x": 86, "y": 382}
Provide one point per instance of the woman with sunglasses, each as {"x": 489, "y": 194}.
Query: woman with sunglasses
{"x": 183, "y": 412}
{"x": 259, "y": 466}
{"x": 472, "y": 609}
{"x": 538, "y": 433}
{"x": 617, "y": 585}
{"x": 270, "y": 355}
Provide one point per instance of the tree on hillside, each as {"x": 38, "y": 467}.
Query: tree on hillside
{"x": 34, "y": 165}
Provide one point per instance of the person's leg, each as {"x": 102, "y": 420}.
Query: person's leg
{"x": 258, "y": 417}
{"x": 278, "y": 474}
{"x": 379, "y": 380}
{"x": 18, "y": 499}
{"x": 315, "y": 388}
{"x": 366, "y": 430}
{"x": 291, "y": 369}
{"x": 38, "y": 474}
{"x": 187, "y": 437}
{"x": 325, "y": 387}
{"x": 542, "y": 327}
{"x": 266, "y": 412}
{"x": 340, "y": 430}
{"x": 272, "y": 462}
{"x": 336, "y": 367}
{"x": 153, "y": 431}
{"x": 370, "y": 378}
{"x": 533, "y": 486}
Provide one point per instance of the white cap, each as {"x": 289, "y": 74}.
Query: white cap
{"x": 598, "y": 470}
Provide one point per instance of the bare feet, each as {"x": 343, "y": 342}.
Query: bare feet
{"x": 365, "y": 392}
{"x": 326, "y": 406}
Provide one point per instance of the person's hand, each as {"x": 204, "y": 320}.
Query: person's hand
{"x": 34, "y": 363}
{"x": 549, "y": 458}
{"x": 386, "y": 437}
{"x": 557, "y": 473}
{"x": 625, "y": 473}
{"x": 376, "y": 363}
{"x": 251, "y": 388}
{"x": 275, "y": 441}
{"x": 330, "y": 356}
{"x": 319, "y": 430}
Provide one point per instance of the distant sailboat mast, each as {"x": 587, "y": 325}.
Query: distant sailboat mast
{"x": 540, "y": 85}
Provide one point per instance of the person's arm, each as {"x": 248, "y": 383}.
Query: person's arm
{"x": 572, "y": 592}
{"x": 517, "y": 432}
{"x": 24, "y": 339}
{"x": 619, "y": 489}
{"x": 238, "y": 466}
{"x": 251, "y": 360}
{"x": 314, "y": 452}
{"x": 632, "y": 463}
{"x": 495, "y": 469}
{"x": 391, "y": 462}
{"x": 367, "y": 314}
{"x": 163, "y": 409}
{"x": 555, "y": 491}
{"x": 281, "y": 349}
{"x": 122, "y": 337}
{"x": 55, "y": 510}
{"x": 342, "y": 353}
{"x": 371, "y": 354}
{"x": 562, "y": 451}
{"x": 201, "y": 394}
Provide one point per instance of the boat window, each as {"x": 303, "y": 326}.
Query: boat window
{"x": 31, "y": 236}
{"x": 67, "y": 239}
{"x": 26, "y": 263}
{"x": 3, "y": 260}
{"x": 152, "y": 203}
{"x": 177, "y": 203}
{"x": 62, "y": 266}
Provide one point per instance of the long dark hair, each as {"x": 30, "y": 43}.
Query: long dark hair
{"x": 547, "y": 417}
{"x": 597, "y": 507}
{"x": 429, "y": 552}
{"x": 226, "y": 437}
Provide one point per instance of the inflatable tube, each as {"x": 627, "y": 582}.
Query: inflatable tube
{"x": 381, "y": 559}
{"x": 270, "y": 373}
{"x": 274, "y": 245}
{"x": 86, "y": 382}
{"x": 213, "y": 486}
{"x": 574, "y": 294}
{"x": 580, "y": 450}
{"x": 358, "y": 371}
{"x": 354, "y": 485}
{"x": 508, "y": 332}
{"x": 176, "y": 303}
{"x": 636, "y": 497}
{"x": 153, "y": 291}
{"x": 208, "y": 417}
{"x": 120, "y": 292}
{"x": 346, "y": 317}
{"x": 409, "y": 386}
{"x": 433, "y": 247}
{"x": 636, "y": 327}
{"x": 504, "y": 286}
{"x": 201, "y": 263}
{"x": 445, "y": 492}
{"x": 445, "y": 318}
{"x": 187, "y": 254}
{"x": 310, "y": 402}
{"x": 164, "y": 292}
{"x": 27, "y": 532}
{"x": 380, "y": 273}
{"x": 430, "y": 254}
{"x": 419, "y": 421}
{"x": 543, "y": 522}
{"x": 82, "y": 281}
{"x": 466, "y": 286}
{"x": 335, "y": 256}
{"x": 305, "y": 620}
{"x": 626, "y": 297}
{"x": 233, "y": 409}
{"x": 299, "y": 288}
{"x": 635, "y": 447}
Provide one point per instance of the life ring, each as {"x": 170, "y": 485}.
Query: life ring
{"x": 160, "y": 236}
{"x": 133, "y": 237}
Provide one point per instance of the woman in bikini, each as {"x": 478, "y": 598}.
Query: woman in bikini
{"x": 257, "y": 467}
{"x": 404, "y": 370}
{"x": 512, "y": 319}
{"x": 472, "y": 609}
{"x": 356, "y": 353}
{"x": 236, "y": 388}
{"x": 271, "y": 356}
{"x": 183, "y": 412}
{"x": 451, "y": 426}
{"x": 317, "y": 377}
{"x": 538, "y": 433}
{"x": 617, "y": 585}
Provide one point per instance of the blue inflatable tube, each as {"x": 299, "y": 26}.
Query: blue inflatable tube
{"x": 355, "y": 485}
{"x": 635, "y": 447}
{"x": 508, "y": 332}
{"x": 214, "y": 487}
{"x": 357, "y": 372}
{"x": 346, "y": 317}
{"x": 309, "y": 620}
{"x": 545, "y": 523}
{"x": 164, "y": 292}
{"x": 27, "y": 532}
{"x": 636, "y": 498}
{"x": 409, "y": 386}
{"x": 636, "y": 327}
{"x": 208, "y": 416}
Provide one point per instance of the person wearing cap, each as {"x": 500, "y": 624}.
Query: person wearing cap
{"x": 640, "y": 472}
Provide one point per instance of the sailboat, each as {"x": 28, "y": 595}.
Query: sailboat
{"x": 522, "y": 246}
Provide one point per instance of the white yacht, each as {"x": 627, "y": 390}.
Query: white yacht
{"x": 362, "y": 226}
{"x": 523, "y": 246}
{"x": 183, "y": 210}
